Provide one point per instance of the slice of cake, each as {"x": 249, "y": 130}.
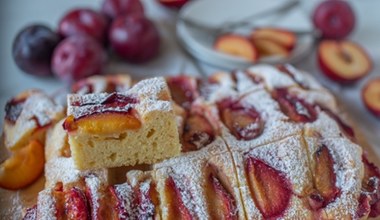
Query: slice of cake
{"x": 134, "y": 127}
{"x": 27, "y": 116}
{"x": 59, "y": 166}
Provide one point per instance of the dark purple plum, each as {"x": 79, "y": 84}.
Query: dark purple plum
{"x": 32, "y": 49}
{"x": 134, "y": 38}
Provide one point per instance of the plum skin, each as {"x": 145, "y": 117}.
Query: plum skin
{"x": 134, "y": 38}
{"x": 33, "y": 47}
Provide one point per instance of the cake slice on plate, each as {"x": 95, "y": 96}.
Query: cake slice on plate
{"x": 127, "y": 128}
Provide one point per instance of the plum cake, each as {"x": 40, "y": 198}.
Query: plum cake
{"x": 264, "y": 143}
{"x": 137, "y": 126}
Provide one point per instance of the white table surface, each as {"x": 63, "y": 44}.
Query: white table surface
{"x": 15, "y": 14}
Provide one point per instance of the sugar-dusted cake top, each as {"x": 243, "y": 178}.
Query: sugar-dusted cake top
{"x": 80, "y": 106}
{"x": 31, "y": 105}
{"x": 266, "y": 142}
{"x": 149, "y": 90}
{"x": 99, "y": 84}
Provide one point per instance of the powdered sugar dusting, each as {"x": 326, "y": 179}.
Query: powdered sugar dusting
{"x": 93, "y": 183}
{"x": 348, "y": 170}
{"x": 324, "y": 125}
{"x": 124, "y": 193}
{"x": 276, "y": 125}
{"x": 135, "y": 204}
{"x": 82, "y": 105}
{"x": 151, "y": 106}
{"x": 246, "y": 84}
{"x": 289, "y": 157}
{"x": 150, "y": 88}
{"x": 186, "y": 189}
{"x": 273, "y": 78}
{"x": 61, "y": 169}
{"x": 304, "y": 78}
{"x": 46, "y": 205}
{"x": 41, "y": 107}
{"x": 147, "y": 93}
{"x": 146, "y": 208}
{"x": 38, "y": 110}
{"x": 187, "y": 175}
{"x": 322, "y": 98}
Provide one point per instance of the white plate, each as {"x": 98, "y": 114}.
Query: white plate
{"x": 216, "y": 12}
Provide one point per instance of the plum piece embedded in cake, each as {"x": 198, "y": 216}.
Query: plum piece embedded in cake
{"x": 292, "y": 73}
{"x": 198, "y": 133}
{"x": 337, "y": 168}
{"x": 98, "y": 84}
{"x": 200, "y": 126}
{"x": 112, "y": 114}
{"x": 176, "y": 206}
{"x": 371, "y": 186}
{"x": 324, "y": 179}
{"x": 23, "y": 167}
{"x": 27, "y": 116}
{"x": 137, "y": 198}
{"x": 183, "y": 89}
{"x": 297, "y": 109}
{"x": 221, "y": 202}
{"x": 274, "y": 178}
{"x": 269, "y": 188}
{"x": 120, "y": 129}
{"x": 77, "y": 205}
{"x": 244, "y": 122}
